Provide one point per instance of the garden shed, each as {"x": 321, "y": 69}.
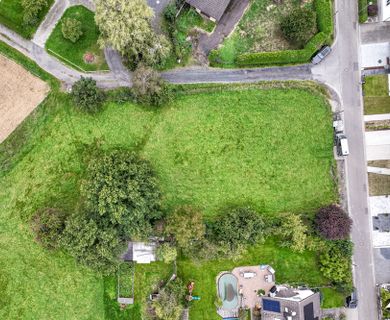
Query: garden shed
{"x": 212, "y": 9}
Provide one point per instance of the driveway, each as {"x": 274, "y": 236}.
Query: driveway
{"x": 375, "y": 32}
{"x": 378, "y": 145}
{"x": 158, "y": 7}
{"x": 224, "y": 27}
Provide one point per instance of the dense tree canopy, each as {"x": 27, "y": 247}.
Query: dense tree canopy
{"x": 186, "y": 225}
{"x": 333, "y": 223}
{"x": 31, "y": 10}
{"x": 238, "y": 226}
{"x": 299, "y": 26}
{"x": 126, "y": 26}
{"x": 149, "y": 87}
{"x": 121, "y": 199}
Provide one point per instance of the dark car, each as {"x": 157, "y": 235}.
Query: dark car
{"x": 321, "y": 55}
{"x": 352, "y": 301}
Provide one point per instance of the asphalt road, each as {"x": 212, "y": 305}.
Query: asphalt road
{"x": 342, "y": 72}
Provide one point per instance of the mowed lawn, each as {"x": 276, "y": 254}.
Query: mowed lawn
{"x": 376, "y": 94}
{"x": 73, "y": 53}
{"x": 270, "y": 148}
{"x": 11, "y": 15}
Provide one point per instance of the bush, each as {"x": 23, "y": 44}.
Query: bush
{"x": 48, "y": 225}
{"x": 149, "y": 88}
{"x": 333, "y": 223}
{"x": 86, "y": 95}
{"x": 121, "y": 200}
{"x": 372, "y": 10}
{"x": 169, "y": 304}
{"x": 324, "y": 10}
{"x": 71, "y": 29}
{"x": 239, "y": 226}
{"x": 293, "y": 232}
{"x": 166, "y": 253}
{"x": 299, "y": 26}
{"x": 186, "y": 225}
{"x": 32, "y": 9}
{"x": 336, "y": 266}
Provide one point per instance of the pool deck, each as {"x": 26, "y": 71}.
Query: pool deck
{"x": 248, "y": 287}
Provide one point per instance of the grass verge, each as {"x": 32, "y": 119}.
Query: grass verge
{"x": 376, "y": 94}
{"x": 73, "y": 53}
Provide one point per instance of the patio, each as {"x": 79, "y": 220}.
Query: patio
{"x": 247, "y": 280}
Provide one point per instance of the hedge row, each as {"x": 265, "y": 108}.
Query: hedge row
{"x": 325, "y": 36}
{"x": 363, "y": 14}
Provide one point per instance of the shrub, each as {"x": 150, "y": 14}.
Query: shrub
{"x": 32, "y": 9}
{"x": 324, "y": 12}
{"x": 166, "y": 253}
{"x": 293, "y": 232}
{"x": 71, "y": 29}
{"x": 372, "y": 10}
{"x": 335, "y": 265}
{"x": 121, "y": 199}
{"x": 238, "y": 226}
{"x": 299, "y": 26}
{"x": 186, "y": 225}
{"x": 169, "y": 304}
{"x": 333, "y": 223}
{"x": 149, "y": 88}
{"x": 86, "y": 95}
{"x": 48, "y": 225}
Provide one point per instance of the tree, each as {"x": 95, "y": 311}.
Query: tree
{"x": 299, "y": 26}
{"x": 166, "y": 253}
{"x": 293, "y": 232}
{"x": 169, "y": 304}
{"x": 238, "y": 226}
{"x": 149, "y": 87}
{"x": 32, "y": 9}
{"x": 86, "y": 95}
{"x": 121, "y": 199}
{"x": 186, "y": 225}
{"x": 333, "y": 223}
{"x": 48, "y": 225}
{"x": 71, "y": 29}
{"x": 126, "y": 26}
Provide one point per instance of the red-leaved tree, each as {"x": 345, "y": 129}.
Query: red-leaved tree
{"x": 333, "y": 223}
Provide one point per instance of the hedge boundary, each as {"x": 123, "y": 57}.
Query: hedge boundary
{"x": 363, "y": 13}
{"x": 325, "y": 25}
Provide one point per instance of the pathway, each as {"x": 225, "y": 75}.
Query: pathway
{"x": 377, "y": 117}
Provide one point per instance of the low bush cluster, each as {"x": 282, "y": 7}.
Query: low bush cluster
{"x": 363, "y": 14}
{"x": 86, "y": 95}
{"x": 325, "y": 26}
{"x": 71, "y": 29}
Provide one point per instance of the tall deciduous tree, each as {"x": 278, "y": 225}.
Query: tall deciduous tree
{"x": 31, "y": 10}
{"x": 126, "y": 26}
{"x": 294, "y": 232}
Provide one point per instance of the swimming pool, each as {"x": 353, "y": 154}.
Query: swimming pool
{"x": 227, "y": 290}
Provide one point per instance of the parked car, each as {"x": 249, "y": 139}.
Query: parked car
{"x": 321, "y": 55}
{"x": 342, "y": 145}
{"x": 351, "y": 301}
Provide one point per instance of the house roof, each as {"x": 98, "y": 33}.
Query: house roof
{"x": 211, "y": 8}
{"x": 140, "y": 252}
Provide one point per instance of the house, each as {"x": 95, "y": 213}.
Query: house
{"x": 140, "y": 252}
{"x": 385, "y": 10}
{"x": 286, "y": 303}
{"x": 212, "y": 9}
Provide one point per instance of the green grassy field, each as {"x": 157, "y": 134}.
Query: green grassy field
{"x": 11, "y": 15}
{"x": 72, "y": 53}
{"x": 376, "y": 95}
{"x": 268, "y": 146}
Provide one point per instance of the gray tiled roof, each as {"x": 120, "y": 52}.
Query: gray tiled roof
{"x": 211, "y": 8}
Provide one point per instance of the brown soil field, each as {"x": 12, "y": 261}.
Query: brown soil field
{"x": 20, "y": 94}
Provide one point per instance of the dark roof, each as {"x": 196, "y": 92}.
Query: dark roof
{"x": 271, "y": 305}
{"x": 211, "y": 8}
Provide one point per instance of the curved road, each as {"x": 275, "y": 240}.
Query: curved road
{"x": 340, "y": 71}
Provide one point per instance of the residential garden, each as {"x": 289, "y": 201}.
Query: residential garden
{"x": 209, "y": 167}
{"x": 74, "y": 41}
{"x": 23, "y": 16}
{"x": 376, "y": 94}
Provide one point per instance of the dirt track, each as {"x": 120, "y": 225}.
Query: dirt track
{"x": 20, "y": 93}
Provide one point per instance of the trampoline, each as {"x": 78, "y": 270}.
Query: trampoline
{"x": 227, "y": 290}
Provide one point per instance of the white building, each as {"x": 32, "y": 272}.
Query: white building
{"x": 385, "y": 10}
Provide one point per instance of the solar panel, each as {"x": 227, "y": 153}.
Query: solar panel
{"x": 271, "y": 305}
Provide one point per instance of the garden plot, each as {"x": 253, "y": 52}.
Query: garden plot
{"x": 20, "y": 95}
